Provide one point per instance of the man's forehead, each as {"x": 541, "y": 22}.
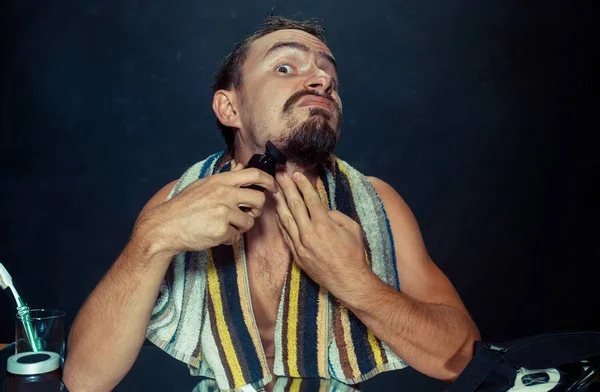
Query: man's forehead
{"x": 262, "y": 45}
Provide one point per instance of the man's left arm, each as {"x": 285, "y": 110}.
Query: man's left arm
{"x": 426, "y": 323}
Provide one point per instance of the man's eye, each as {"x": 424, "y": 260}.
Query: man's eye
{"x": 284, "y": 69}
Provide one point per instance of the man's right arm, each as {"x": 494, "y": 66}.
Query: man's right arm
{"x": 110, "y": 329}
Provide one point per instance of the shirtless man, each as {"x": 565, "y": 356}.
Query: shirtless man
{"x": 289, "y": 95}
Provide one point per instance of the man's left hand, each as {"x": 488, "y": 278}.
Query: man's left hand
{"x": 327, "y": 245}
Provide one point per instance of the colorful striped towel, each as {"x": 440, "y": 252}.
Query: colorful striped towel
{"x": 203, "y": 315}
{"x": 284, "y": 384}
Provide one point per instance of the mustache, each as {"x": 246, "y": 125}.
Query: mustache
{"x": 302, "y": 93}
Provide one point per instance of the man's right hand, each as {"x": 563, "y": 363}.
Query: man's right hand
{"x": 113, "y": 322}
{"x": 206, "y": 213}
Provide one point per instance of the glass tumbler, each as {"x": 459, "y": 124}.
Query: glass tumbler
{"x": 48, "y": 329}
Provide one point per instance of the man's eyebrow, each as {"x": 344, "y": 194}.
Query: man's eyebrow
{"x": 302, "y": 47}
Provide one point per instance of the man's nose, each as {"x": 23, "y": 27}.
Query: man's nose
{"x": 319, "y": 80}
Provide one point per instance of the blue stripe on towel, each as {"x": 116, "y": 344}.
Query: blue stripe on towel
{"x": 393, "y": 250}
{"x": 208, "y": 162}
{"x": 362, "y": 348}
{"x": 311, "y": 309}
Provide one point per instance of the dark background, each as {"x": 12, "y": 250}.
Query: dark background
{"x": 483, "y": 115}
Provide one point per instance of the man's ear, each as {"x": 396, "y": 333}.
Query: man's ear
{"x": 225, "y": 108}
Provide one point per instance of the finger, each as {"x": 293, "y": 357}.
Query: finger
{"x": 233, "y": 236}
{"x": 295, "y": 202}
{"x": 252, "y": 176}
{"x": 312, "y": 201}
{"x": 238, "y": 166}
{"x": 284, "y": 233}
{"x": 241, "y": 220}
{"x": 253, "y": 212}
{"x": 285, "y": 217}
{"x": 286, "y": 238}
{"x": 249, "y": 199}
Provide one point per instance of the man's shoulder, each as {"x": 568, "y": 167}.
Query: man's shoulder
{"x": 160, "y": 196}
{"x": 381, "y": 187}
{"x": 373, "y": 180}
{"x": 394, "y": 204}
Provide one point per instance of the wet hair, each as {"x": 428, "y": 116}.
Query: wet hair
{"x": 229, "y": 74}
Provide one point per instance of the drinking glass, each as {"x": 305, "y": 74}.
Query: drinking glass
{"x": 48, "y": 328}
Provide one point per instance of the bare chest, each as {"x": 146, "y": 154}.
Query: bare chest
{"x": 267, "y": 268}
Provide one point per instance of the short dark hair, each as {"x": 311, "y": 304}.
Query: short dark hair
{"x": 229, "y": 74}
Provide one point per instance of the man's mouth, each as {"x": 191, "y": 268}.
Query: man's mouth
{"x": 313, "y": 100}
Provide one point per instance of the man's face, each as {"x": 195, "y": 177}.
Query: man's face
{"x": 290, "y": 96}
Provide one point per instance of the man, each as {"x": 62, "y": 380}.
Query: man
{"x": 280, "y": 84}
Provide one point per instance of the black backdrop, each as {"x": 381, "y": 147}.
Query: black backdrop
{"x": 482, "y": 115}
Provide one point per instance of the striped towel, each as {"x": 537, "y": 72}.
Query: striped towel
{"x": 203, "y": 315}
{"x": 284, "y": 384}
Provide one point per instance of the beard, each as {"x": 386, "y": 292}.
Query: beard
{"x": 312, "y": 141}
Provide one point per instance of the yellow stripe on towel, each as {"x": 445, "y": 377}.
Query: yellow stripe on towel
{"x": 322, "y": 328}
{"x": 292, "y": 339}
{"x": 215, "y": 291}
{"x": 375, "y": 347}
{"x": 322, "y": 193}
{"x": 295, "y": 386}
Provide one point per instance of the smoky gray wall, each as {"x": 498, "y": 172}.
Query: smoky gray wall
{"x": 482, "y": 115}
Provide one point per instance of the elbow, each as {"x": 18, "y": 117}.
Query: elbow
{"x": 454, "y": 365}
{"x": 76, "y": 380}
{"x": 69, "y": 378}
{"x": 72, "y": 378}
{"x": 76, "y": 377}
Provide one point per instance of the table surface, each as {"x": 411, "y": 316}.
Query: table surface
{"x": 155, "y": 370}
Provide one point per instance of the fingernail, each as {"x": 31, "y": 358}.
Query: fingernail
{"x": 279, "y": 176}
{"x": 297, "y": 176}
